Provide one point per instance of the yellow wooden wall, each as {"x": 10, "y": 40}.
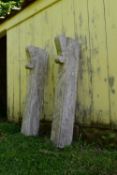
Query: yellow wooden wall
{"x": 94, "y": 23}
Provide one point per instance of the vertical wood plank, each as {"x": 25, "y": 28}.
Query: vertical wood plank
{"x": 84, "y": 99}
{"x": 13, "y": 68}
{"x": 10, "y": 77}
{"x": 111, "y": 31}
{"x": 99, "y": 63}
{"x": 68, "y": 18}
{"x": 16, "y": 78}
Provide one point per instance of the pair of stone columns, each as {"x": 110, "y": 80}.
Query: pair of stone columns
{"x": 65, "y": 93}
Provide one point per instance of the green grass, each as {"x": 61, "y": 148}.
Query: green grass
{"x": 20, "y": 155}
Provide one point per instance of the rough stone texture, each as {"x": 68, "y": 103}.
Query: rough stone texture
{"x": 66, "y": 91}
{"x": 35, "y": 95}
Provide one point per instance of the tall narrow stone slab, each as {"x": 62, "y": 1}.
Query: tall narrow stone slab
{"x": 35, "y": 92}
{"x": 66, "y": 91}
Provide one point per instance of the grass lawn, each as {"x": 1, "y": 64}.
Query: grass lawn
{"x": 20, "y": 155}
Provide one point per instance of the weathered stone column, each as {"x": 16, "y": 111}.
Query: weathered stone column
{"x": 66, "y": 91}
{"x": 35, "y": 92}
